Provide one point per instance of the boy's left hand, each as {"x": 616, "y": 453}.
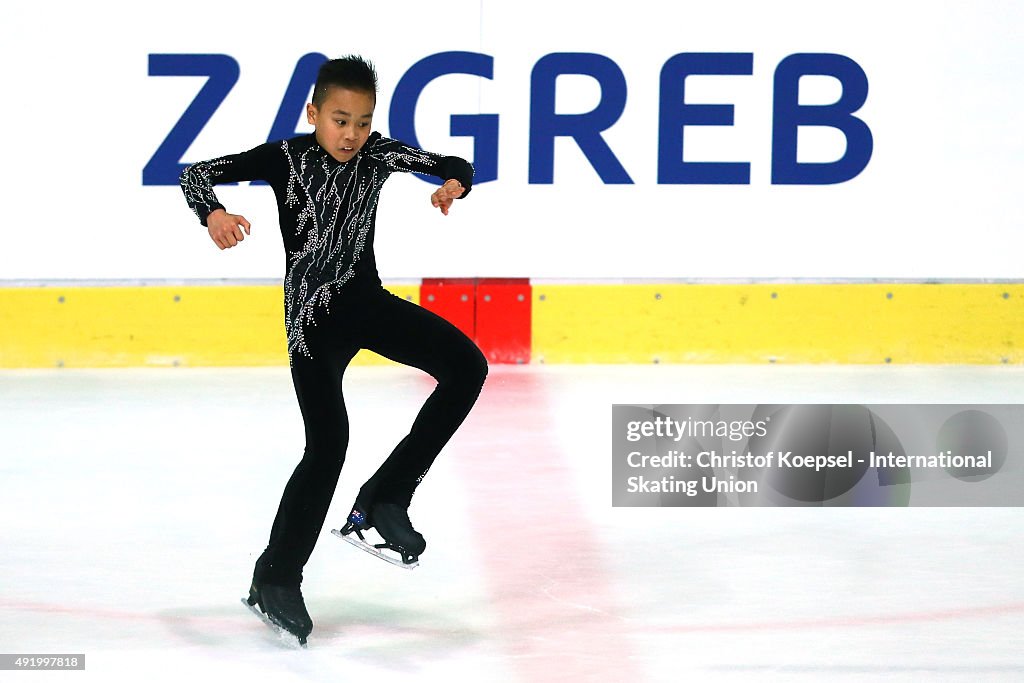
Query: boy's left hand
{"x": 446, "y": 194}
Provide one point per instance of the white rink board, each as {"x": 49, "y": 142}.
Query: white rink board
{"x": 938, "y": 198}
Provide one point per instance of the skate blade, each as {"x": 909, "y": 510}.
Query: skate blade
{"x": 381, "y": 553}
{"x": 287, "y": 637}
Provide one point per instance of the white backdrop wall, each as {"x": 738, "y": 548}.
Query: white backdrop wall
{"x": 940, "y": 196}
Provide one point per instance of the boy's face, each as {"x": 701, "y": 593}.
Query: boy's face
{"x": 342, "y": 121}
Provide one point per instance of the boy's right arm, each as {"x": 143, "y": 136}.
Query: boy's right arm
{"x": 197, "y": 183}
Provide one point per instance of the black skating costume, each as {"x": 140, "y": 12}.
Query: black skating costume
{"x": 334, "y": 306}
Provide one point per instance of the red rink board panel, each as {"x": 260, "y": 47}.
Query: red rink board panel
{"x": 493, "y": 312}
{"x": 503, "y": 319}
{"x": 452, "y": 299}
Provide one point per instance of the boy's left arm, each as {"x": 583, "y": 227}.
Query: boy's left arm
{"x": 398, "y": 156}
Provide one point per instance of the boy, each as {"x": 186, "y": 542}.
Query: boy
{"x": 327, "y": 184}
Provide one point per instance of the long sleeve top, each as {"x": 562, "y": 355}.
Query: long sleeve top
{"x": 326, "y": 210}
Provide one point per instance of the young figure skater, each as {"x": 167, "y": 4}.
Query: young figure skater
{"x": 327, "y": 184}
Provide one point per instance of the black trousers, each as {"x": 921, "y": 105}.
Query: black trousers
{"x": 366, "y": 317}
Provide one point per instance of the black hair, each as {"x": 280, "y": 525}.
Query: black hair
{"x": 351, "y": 72}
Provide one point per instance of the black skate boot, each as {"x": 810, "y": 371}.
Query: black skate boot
{"x": 283, "y": 607}
{"x": 392, "y": 523}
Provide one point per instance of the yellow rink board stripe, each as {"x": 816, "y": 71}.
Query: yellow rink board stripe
{"x": 188, "y": 325}
{"x": 231, "y": 325}
{"x": 978, "y": 323}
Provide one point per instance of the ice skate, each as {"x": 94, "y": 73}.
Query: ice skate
{"x": 281, "y": 608}
{"x": 392, "y": 524}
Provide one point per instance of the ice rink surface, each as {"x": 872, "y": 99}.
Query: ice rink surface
{"x": 134, "y": 503}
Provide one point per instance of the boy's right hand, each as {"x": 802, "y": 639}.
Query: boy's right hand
{"x": 226, "y": 228}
